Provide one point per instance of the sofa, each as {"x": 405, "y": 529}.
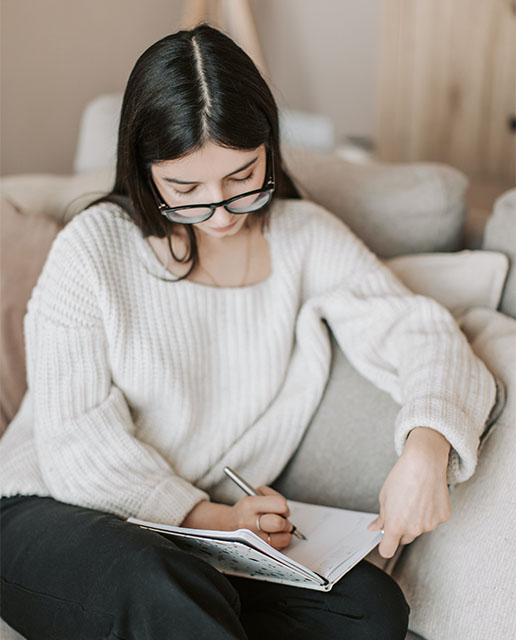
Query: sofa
{"x": 458, "y": 579}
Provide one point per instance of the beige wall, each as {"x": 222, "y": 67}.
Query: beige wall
{"x": 59, "y": 54}
{"x": 323, "y": 57}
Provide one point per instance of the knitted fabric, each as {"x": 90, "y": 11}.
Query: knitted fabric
{"x": 142, "y": 389}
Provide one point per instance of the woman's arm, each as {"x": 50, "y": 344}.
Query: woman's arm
{"x": 411, "y": 347}
{"x": 84, "y": 433}
{"x": 406, "y": 344}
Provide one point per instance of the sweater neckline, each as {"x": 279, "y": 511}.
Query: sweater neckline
{"x": 157, "y": 269}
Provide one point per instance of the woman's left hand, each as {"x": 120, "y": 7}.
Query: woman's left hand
{"x": 414, "y": 497}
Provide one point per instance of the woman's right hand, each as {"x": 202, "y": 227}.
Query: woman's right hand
{"x": 270, "y": 511}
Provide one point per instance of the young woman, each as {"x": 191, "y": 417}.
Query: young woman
{"x": 177, "y": 328}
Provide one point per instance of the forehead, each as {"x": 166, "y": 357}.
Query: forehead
{"x": 211, "y": 162}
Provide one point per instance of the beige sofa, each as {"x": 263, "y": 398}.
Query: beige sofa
{"x": 459, "y": 579}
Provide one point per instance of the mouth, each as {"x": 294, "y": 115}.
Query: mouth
{"x": 223, "y": 229}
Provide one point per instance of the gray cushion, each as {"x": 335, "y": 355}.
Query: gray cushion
{"x": 396, "y": 209}
{"x": 500, "y": 235}
{"x": 348, "y": 450}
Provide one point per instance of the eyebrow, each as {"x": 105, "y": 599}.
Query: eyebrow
{"x": 177, "y": 181}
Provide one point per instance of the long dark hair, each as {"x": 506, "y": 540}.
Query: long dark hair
{"x": 185, "y": 90}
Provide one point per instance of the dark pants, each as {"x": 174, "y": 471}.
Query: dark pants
{"x": 71, "y": 573}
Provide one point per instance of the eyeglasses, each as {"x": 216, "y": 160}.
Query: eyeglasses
{"x": 247, "y": 202}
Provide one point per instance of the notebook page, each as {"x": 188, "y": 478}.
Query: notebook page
{"x": 334, "y": 537}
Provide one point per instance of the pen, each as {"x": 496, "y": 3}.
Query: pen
{"x": 251, "y": 491}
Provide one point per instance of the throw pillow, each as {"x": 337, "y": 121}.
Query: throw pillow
{"x": 57, "y": 197}
{"x": 458, "y": 281}
{"x": 395, "y": 208}
{"x": 500, "y": 235}
{"x": 25, "y": 243}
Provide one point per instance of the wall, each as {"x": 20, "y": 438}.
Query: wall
{"x": 59, "y": 54}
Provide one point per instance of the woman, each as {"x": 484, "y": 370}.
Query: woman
{"x": 177, "y": 328}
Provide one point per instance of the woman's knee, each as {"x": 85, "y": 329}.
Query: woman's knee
{"x": 161, "y": 585}
{"x": 384, "y": 608}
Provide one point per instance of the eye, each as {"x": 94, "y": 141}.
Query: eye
{"x": 248, "y": 177}
{"x": 183, "y": 193}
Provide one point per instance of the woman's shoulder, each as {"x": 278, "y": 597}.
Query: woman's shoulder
{"x": 85, "y": 243}
{"x": 96, "y": 221}
{"x": 304, "y": 217}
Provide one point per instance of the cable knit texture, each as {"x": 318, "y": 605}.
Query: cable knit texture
{"x": 141, "y": 389}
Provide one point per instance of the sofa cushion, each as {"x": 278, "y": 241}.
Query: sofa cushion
{"x": 57, "y": 197}
{"x": 461, "y": 576}
{"x": 396, "y": 209}
{"x": 25, "y": 242}
{"x": 500, "y": 235}
{"x": 458, "y": 281}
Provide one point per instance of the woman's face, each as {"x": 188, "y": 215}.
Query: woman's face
{"x": 212, "y": 174}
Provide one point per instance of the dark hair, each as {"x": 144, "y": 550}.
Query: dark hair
{"x": 185, "y": 90}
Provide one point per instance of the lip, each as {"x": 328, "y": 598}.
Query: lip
{"x": 223, "y": 229}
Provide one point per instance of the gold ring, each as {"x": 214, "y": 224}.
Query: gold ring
{"x": 258, "y": 522}
{"x": 269, "y": 538}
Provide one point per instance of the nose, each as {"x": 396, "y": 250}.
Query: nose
{"x": 221, "y": 218}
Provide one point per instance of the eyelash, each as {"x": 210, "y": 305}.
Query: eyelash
{"x": 185, "y": 193}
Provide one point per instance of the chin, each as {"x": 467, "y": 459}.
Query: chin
{"x": 214, "y": 233}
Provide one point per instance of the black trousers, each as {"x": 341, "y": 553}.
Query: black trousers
{"x": 70, "y": 573}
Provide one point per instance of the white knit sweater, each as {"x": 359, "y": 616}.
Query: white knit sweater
{"x": 141, "y": 389}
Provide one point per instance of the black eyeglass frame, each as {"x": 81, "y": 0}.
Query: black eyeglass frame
{"x": 269, "y": 186}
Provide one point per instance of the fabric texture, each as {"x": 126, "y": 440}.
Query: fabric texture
{"x": 459, "y": 281}
{"x": 395, "y": 209}
{"x": 464, "y": 570}
{"x": 130, "y": 375}
{"x": 500, "y": 235}
{"x": 24, "y": 245}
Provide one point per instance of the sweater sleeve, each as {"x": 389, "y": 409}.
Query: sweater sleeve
{"x": 406, "y": 344}
{"x": 84, "y": 433}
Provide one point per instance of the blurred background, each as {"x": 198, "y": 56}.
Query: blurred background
{"x": 374, "y": 80}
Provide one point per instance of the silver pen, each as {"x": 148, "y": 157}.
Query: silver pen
{"x": 251, "y": 491}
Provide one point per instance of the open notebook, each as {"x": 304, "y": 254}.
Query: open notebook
{"x": 336, "y": 540}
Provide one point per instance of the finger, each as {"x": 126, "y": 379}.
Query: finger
{"x": 376, "y": 524}
{"x": 269, "y": 491}
{"x": 279, "y": 540}
{"x": 389, "y": 543}
{"x": 407, "y": 539}
{"x": 273, "y": 523}
{"x": 267, "y": 504}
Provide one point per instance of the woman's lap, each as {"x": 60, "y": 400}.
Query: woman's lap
{"x": 74, "y": 572}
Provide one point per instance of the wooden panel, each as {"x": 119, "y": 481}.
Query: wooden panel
{"x": 448, "y": 84}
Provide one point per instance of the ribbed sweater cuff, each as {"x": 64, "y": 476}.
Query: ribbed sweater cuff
{"x": 456, "y": 426}
{"x": 171, "y": 501}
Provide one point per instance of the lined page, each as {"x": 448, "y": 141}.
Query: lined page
{"x": 335, "y": 537}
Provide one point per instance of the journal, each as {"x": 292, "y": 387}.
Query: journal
{"x": 336, "y": 540}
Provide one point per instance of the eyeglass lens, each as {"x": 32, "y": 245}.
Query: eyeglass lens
{"x": 245, "y": 204}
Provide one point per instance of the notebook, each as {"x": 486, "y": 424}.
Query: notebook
{"x": 336, "y": 540}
